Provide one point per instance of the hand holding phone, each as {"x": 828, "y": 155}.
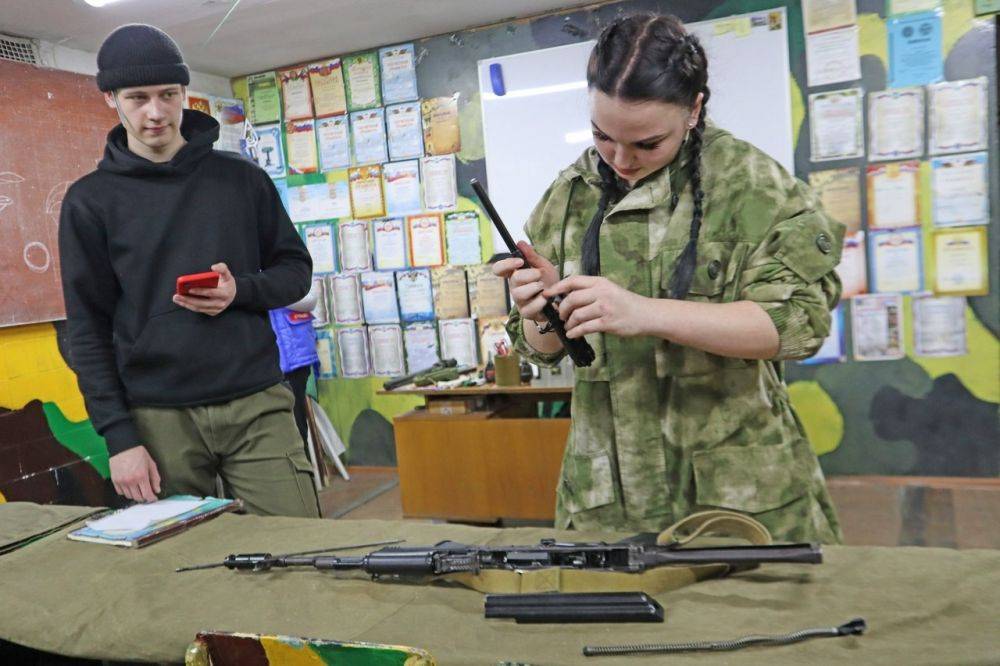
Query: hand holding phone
{"x": 207, "y": 280}
{"x": 206, "y": 293}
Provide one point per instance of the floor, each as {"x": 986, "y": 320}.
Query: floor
{"x": 372, "y": 492}
{"x": 874, "y": 511}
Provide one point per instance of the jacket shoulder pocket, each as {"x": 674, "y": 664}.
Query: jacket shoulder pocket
{"x": 809, "y": 246}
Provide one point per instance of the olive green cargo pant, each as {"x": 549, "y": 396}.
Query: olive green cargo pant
{"x": 251, "y": 442}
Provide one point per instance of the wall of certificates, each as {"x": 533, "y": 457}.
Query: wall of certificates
{"x": 847, "y": 59}
{"x": 366, "y": 169}
{"x": 910, "y": 179}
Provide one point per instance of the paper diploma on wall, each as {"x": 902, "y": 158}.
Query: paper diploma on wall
{"x": 893, "y": 195}
{"x": 836, "y": 125}
{"x": 960, "y": 262}
{"x": 852, "y": 268}
{"x": 366, "y": 191}
{"x": 401, "y": 181}
{"x": 355, "y": 254}
{"x": 345, "y": 292}
{"x": 300, "y": 136}
{"x": 896, "y": 123}
{"x": 960, "y": 190}
{"x": 320, "y": 311}
{"x": 840, "y": 193}
{"x": 265, "y": 101}
{"x": 389, "y": 240}
{"x": 440, "y": 187}
{"x": 405, "y": 134}
{"x": 451, "y": 297}
{"x": 939, "y": 326}
{"x": 462, "y": 234}
{"x": 877, "y": 327}
{"x": 399, "y": 73}
{"x": 441, "y": 130}
{"x": 487, "y": 292}
{"x": 232, "y": 123}
{"x": 362, "y": 81}
{"x": 327, "y": 81}
{"x": 832, "y": 56}
{"x": 296, "y": 93}
{"x": 426, "y": 241}
{"x": 352, "y": 343}
{"x": 416, "y": 302}
{"x": 386, "y": 344}
{"x": 334, "y": 143}
{"x": 420, "y": 340}
{"x": 458, "y": 340}
{"x": 319, "y": 241}
{"x": 897, "y": 262}
{"x": 958, "y": 116}
{"x": 378, "y": 295}
{"x": 270, "y": 152}
{"x": 368, "y": 130}
{"x": 327, "y": 354}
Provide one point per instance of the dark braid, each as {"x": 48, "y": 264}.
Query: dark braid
{"x": 590, "y": 251}
{"x": 680, "y": 281}
{"x": 651, "y": 57}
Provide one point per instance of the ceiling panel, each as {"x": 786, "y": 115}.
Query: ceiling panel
{"x": 262, "y": 34}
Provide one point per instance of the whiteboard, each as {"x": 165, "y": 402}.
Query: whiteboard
{"x": 542, "y": 123}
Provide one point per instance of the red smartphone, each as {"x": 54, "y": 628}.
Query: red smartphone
{"x": 186, "y": 283}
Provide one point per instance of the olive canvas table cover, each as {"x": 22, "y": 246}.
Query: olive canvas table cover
{"x": 923, "y": 605}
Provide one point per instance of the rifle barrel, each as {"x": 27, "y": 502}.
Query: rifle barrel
{"x": 494, "y": 216}
{"x": 799, "y": 553}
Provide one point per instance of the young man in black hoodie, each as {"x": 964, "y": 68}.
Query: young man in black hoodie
{"x": 181, "y": 387}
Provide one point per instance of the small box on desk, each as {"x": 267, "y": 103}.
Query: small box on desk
{"x": 456, "y": 405}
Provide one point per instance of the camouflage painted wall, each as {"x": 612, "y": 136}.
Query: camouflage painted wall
{"x": 49, "y": 452}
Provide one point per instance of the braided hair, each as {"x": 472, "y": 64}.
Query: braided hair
{"x": 642, "y": 58}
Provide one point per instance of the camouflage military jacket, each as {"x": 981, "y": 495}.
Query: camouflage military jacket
{"x": 660, "y": 430}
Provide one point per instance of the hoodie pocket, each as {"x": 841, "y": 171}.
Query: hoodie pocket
{"x": 183, "y": 356}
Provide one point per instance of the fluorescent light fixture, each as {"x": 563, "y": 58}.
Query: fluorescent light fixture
{"x": 99, "y": 3}
{"x": 578, "y": 137}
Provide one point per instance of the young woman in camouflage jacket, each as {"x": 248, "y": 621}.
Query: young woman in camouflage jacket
{"x": 694, "y": 265}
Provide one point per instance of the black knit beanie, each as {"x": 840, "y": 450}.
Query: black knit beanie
{"x": 139, "y": 55}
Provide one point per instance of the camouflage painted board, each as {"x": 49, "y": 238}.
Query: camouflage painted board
{"x": 239, "y": 649}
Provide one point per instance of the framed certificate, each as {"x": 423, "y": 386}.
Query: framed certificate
{"x": 327, "y": 82}
{"x": 366, "y": 191}
{"x": 960, "y": 262}
{"x": 296, "y": 93}
{"x": 399, "y": 73}
{"x": 426, "y": 240}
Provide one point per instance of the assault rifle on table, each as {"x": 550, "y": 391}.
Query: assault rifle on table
{"x": 450, "y": 557}
{"x": 442, "y": 371}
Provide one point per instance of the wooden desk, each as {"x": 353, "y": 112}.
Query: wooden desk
{"x": 501, "y": 463}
